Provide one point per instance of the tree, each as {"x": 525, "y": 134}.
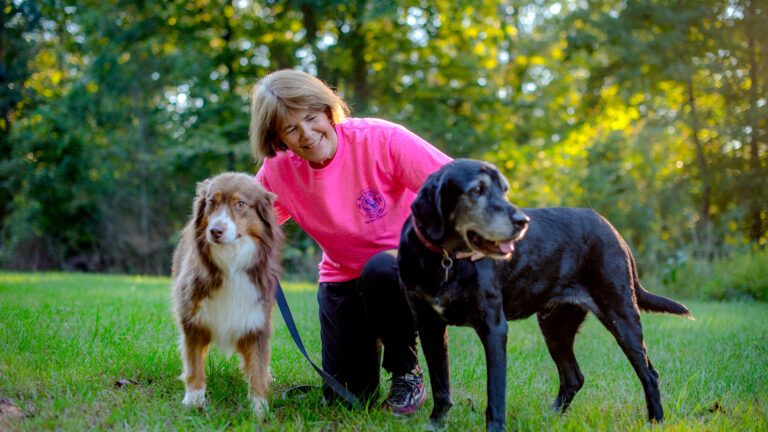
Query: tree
{"x": 18, "y": 21}
{"x": 653, "y": 112}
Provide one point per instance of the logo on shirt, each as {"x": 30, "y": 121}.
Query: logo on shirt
{"x": 371, "y": 204}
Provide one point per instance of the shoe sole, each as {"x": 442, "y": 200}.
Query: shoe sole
{"x": 405, "y": 412}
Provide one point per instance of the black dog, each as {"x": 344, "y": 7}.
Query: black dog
{"x": 556, "y": 263}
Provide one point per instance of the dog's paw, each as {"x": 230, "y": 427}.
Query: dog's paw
{"x": 194, "y": 399}
{"x": 436, "y": 426}
{"x": 260, "y": 406}
{"x": 494, "y": 427}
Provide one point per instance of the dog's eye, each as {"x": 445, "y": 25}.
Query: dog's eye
{"x": 240, "y": 205}
{"x": 212, "y": 203}
{"x": 478, "y": 190}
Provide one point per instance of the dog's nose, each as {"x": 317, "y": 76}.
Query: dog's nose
{"x": 520, "y": 220}
{"x": 216, "y": 232}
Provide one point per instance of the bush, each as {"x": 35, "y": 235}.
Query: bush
{"x": 738, "y": 277}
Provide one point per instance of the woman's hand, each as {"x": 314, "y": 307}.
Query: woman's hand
{"x": 473, "y": 256}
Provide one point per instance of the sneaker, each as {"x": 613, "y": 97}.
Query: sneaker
{"x": 407, "y": 393}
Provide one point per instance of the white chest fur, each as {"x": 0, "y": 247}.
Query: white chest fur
{"x": 233, "y": 309}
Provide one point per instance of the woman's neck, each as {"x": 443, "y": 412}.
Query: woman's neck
{"x": 320, "y": 165}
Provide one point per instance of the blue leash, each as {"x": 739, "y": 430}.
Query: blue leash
{"x": 336, "y": 386}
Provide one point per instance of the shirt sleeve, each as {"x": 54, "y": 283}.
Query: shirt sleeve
{"x": 414, "y": 159}
{"x": 281, "y": 214}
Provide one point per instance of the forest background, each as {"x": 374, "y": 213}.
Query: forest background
{"x": 652, "y": 112}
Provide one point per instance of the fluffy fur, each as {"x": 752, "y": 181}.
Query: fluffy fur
{"x": 224, "y": 272}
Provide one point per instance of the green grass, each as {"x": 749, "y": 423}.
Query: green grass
{"x": 66, "y": 339}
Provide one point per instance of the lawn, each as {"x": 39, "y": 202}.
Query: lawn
{"x": 83, "y": 352}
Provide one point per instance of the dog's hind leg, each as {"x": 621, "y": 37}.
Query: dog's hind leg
{"x": 254, "y": 355}
{"x": 624, "y": 323}
{"x": 559, "y": 326}
{"x": 194, "y": 347}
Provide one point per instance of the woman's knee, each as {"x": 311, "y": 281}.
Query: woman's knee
{"x": 380, "y": 269}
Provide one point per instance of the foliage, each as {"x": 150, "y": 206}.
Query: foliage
{"x": 738, "y": 277}
{"x": 88, "y": 351}
{"x": 652, "y": 112}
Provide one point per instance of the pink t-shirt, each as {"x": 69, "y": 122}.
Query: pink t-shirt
{"x": 355, "y": 206}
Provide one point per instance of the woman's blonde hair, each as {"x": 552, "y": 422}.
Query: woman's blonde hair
{"x": 276, "y": 95}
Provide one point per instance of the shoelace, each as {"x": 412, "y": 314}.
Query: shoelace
{"x": 402, "y": 388}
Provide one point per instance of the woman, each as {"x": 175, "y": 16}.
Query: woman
{"x": 349, "y": 184}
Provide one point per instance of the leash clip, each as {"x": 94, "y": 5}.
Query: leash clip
{"x": 446, "y": 263}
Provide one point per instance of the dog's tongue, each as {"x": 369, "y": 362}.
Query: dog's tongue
{"x": 507, "y": 246}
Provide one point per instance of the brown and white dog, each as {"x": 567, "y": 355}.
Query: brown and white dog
{"x": 224, "y": 273}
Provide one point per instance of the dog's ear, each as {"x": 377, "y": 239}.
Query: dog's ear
{"x": 427, "y": 207}
{"x": 272, "y": 233}
{"x": 270, "y": 197}
{"x": 198, "y": 207}
{"x": 263, "y": 207}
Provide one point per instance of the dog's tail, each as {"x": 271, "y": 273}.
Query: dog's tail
{"x": 650, "y": 302}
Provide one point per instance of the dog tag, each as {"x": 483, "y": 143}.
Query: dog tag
{"x": 446, "y": 263}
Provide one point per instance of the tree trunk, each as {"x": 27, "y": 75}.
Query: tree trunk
{"x": 142, "y": 140}
{"x": 309, "y": 14}
{"x": 705, "y": 225}
{"x": 756, "y": 202}
{"x": 357, "y": 44}
{"x": 5, "y": 104}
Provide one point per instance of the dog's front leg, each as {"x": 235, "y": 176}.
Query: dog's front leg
{"x": 434, "y": 342}
{"x": 194, "y": 348}
{"x": 493, "y": 333}
{"x": 254, "y": 352}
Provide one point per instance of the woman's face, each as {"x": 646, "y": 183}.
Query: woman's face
{"x": 310, "y": 135}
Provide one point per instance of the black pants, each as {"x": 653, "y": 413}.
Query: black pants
{"x": 357, "y": 318}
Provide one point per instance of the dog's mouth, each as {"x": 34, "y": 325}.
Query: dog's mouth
{"x": 493, "y": 248}
{"x": 223, "y": 239}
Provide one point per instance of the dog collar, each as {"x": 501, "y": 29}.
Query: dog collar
{"x": 446, "y": 262}
{"x": 423, "y": 239}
